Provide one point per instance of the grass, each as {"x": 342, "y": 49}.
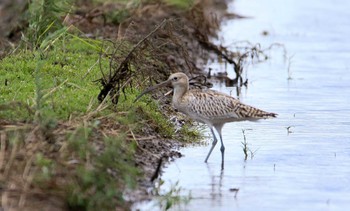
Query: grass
{"x": 172, "y": 198}
{"x": 246, "y": 149}
{"x": 44, "y": 22}
{"x": 289, "y": 71}
{"x": 59, "y": 74}
{"x": 83, "y": 151}
{"x": 56, "y": 138}
{"x": 83, "y": 163}
{"x": 102, "y": 173}
{"x": 181, "y": 4}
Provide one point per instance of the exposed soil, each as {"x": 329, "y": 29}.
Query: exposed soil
{"x": 192, "y": 48}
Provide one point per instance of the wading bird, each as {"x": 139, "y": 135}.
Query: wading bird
{"x": 210, "y": 107}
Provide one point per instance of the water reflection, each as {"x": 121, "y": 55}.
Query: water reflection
{"x": 216, "y": 184}
{"x": 222, "y": 78}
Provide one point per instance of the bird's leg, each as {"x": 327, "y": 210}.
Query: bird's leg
{"x": 222, "y": 149}
{"x": 212, "y": 146}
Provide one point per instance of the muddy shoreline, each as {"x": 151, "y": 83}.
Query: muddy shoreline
{"x": 154, "y": 155}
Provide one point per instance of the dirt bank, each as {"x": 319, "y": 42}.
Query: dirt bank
{"x": 186, "y": 36}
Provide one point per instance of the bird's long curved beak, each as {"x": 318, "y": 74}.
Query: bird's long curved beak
{"x": 149, "y": 89}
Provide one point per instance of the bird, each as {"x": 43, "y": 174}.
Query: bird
{"x": 208, "y": 106}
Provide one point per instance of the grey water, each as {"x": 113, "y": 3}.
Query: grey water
{"x": 301, "y": 160}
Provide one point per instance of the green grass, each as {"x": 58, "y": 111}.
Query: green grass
{"x": 181, "y": 4}
{"x": 146, "y": 112}
{"x": 65, "y": 75}
{"x": 57, "y": 85}
{"x": 101, "y": 176}
{"x": 60, "y": 83}
{"x": 44, "y": 21}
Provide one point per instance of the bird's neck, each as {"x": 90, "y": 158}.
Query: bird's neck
{"x": 179, "y": 92}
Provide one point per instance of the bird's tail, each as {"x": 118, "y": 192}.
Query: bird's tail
{"x": 246, "y": 111}
{"x": 263, "y": 114}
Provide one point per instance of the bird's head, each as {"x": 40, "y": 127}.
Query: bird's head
{"x": 176, "y": 80}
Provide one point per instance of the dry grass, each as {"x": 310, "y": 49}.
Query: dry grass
{"x": 39, "y": 166}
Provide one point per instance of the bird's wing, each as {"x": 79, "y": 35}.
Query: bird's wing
{"x": 215, "y": 105}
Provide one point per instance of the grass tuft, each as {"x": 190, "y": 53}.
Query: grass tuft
{"x": 181, "y": 4}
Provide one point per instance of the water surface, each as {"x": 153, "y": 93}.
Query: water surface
{"x": 307, "y": 168}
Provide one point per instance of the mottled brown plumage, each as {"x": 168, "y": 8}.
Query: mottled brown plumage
{"x": 210, "y": 107}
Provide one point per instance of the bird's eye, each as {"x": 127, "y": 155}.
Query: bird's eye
{"x": 175, "y": 79}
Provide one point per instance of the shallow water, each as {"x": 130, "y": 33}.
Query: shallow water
{"x": 307, "y": 168}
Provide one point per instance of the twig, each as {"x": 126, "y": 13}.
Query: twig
{"x": 209, "y": 46}
{"x": 137, "y": 45}
{"x": 143, "y": 138}
{"x": 2, "y": 149}
{"x": 157, "y": 171}
{"x": 88, "y": 71}
{"x": 13, "y": 104}
{"x": 11, "y": 160}
{"x": 121, "y": 72}
{"x": 28, "y": 178}
{"x": 54, "y": 89}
